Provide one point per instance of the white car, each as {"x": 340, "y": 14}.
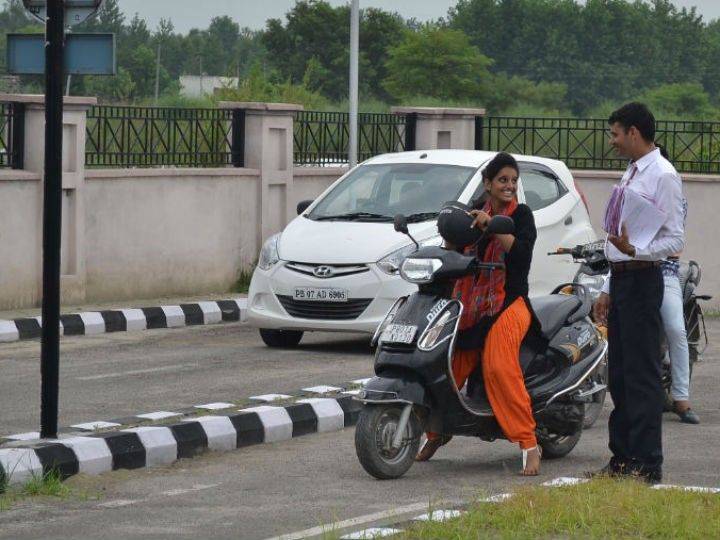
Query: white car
{"x": 335, "y": 266}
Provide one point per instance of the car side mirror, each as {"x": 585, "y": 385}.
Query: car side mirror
{"x": 303, "y": 205}
{"x": 401, "y": 224}
{"x": 500, "y": 225}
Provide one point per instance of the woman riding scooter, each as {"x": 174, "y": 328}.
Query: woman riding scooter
{"x": 498, "y": 316}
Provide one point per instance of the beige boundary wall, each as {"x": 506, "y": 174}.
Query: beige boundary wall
{"x": 130, "y": 234}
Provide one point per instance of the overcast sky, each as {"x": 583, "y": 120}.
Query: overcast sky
{"x": 187, "y": 14}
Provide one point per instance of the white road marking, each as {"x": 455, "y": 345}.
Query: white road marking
{"x": 354, "y": 522}
{"x": 183, "y": 491}
{"x": 92, "y": 426}
{"x": 119, "y": 503}
{"x": 117, "y": 374}
{"x": 217, "y": 406}
{"x": 500, "y": 497}
{"x": 439, "y": 515}
{"x": 269, "y": 398}
{"x": 695, "y": 489}
{"x": 565, "y": 481}
{"x": 372, "y": 532}
{"x": 322, "y": 389}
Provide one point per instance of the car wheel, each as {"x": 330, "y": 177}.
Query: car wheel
{"x": 281, "y": 339}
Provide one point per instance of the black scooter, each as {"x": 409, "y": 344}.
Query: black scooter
{"x": 414, "y": 390}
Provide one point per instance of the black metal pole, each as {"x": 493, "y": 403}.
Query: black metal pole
{"x": 52, "y": 209}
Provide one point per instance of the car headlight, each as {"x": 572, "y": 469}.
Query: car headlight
{"x": 390, "y": 264}
{"x": 419, "y": 270}
{"x": 593, "y": 284}
{"x": 269, "y": 254}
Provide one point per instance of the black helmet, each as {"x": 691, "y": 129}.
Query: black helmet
{"x": 454, "y": 224}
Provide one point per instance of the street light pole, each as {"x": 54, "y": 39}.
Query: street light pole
{"x": 354, "y": 61}
{"x": 52, "y": 211}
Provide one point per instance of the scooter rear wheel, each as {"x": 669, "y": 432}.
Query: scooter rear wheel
{"x": 374, "y": 433}
{"x": 556, "y": 446}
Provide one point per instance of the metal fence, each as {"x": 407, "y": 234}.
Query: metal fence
{"x": 693, "y": 146}
{"x": 12, "y": 135}
{"x": 321, "y": 138}
{"x": 158, "y": 136}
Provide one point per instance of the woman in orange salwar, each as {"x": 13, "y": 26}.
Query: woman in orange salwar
{"x": 498, "y": 302}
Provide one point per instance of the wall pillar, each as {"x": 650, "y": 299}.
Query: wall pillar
{"x": 269, "y": 148}
{"x": 72, "y": 256}
{"x": 443, "y": 128}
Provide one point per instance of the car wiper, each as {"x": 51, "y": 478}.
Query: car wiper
{"x": 353, "y": 216}
{"x": 421, "y": 216}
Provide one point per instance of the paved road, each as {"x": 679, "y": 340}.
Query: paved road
{"x": 266, "y": 490}
{"x": 118, "y": 375}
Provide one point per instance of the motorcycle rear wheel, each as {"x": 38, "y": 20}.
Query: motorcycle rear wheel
{"x": 374, "y": 433}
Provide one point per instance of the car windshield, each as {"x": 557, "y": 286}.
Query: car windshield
{"x": 379, "y": 192}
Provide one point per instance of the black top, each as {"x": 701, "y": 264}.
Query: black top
{"x": 517, "y": 270}
{"x": 519, "y": 258}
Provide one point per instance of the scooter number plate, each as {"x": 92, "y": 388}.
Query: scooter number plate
{"x": 399, "y": 333}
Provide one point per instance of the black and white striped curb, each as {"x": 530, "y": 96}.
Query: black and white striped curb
{"x": 127, "y": 320}
{"x": 148, "y": 446}
{"x": 350, "y": 388}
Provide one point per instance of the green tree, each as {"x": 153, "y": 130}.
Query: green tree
{"x": 436, "y": 62}
{"x": 679, "y": 101}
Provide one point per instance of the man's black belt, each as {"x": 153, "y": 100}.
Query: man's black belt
{"x": 631, "y": 266}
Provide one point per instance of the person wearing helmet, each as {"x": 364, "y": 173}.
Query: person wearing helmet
{"x": 497, "y": 316}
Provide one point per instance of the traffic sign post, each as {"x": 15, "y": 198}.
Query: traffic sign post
{"x": 53, "y": 14}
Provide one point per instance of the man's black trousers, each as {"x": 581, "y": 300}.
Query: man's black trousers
{"x": 634, "y": 365}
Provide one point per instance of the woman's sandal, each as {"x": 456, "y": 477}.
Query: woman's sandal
{"x": 431, "y": 446}
{"x": 525, "y": 459}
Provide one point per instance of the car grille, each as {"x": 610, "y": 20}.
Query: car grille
{"x": 337, "y": 270}
{"x": 336, "y": 311}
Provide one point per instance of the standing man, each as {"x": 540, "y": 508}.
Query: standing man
{"x": 632, "y": 296}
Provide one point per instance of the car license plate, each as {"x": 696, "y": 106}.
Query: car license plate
{"x": 399, "y": 333}
{"x": 311, "y": 294}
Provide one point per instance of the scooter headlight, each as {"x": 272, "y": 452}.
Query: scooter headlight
{"x": 430, "y": 338}
{"x": 593, "y": 284}
{"x": 419, "y": 270}
{"x": 390, "y": 264}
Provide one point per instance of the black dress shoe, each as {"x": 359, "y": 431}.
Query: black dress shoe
{"x": 639, "y": 471}
{"x": 688, "y": 416}
{"x": 614, "y": 469}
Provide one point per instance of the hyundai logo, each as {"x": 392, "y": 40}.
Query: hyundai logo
{"x": 324, "y": 272}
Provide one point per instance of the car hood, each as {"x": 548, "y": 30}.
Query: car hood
{"x": 345, "y": 242}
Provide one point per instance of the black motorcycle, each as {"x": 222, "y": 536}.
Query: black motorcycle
{"x": 594, "y": 267}
{"x": 414, "y": 390}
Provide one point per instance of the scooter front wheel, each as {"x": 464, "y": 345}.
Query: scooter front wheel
{"x": 374, "y": 436}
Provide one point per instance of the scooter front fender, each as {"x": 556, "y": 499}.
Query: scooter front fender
{"x": 388, "y": 389}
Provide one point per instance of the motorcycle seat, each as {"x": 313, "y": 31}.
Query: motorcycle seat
{"x": 553, "y": 311}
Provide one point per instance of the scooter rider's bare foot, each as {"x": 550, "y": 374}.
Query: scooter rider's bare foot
{"x": 531, "y": 461}
{"x": 431, "y": 446}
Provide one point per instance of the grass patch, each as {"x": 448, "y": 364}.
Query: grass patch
{"x": 712, "y": 314}
{"x": 598, "y": 509}
{"x": 46, "y": 485}
{"x": 242, "y": 285}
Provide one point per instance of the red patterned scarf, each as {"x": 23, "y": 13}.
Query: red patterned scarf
{"x": 484, "y": 295}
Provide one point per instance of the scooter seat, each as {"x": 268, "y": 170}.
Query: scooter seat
{"x": 554, "y": 310}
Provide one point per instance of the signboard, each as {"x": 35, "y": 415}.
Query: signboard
{"x": 76, "y": 11}
{"x": 85, "y": 54}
